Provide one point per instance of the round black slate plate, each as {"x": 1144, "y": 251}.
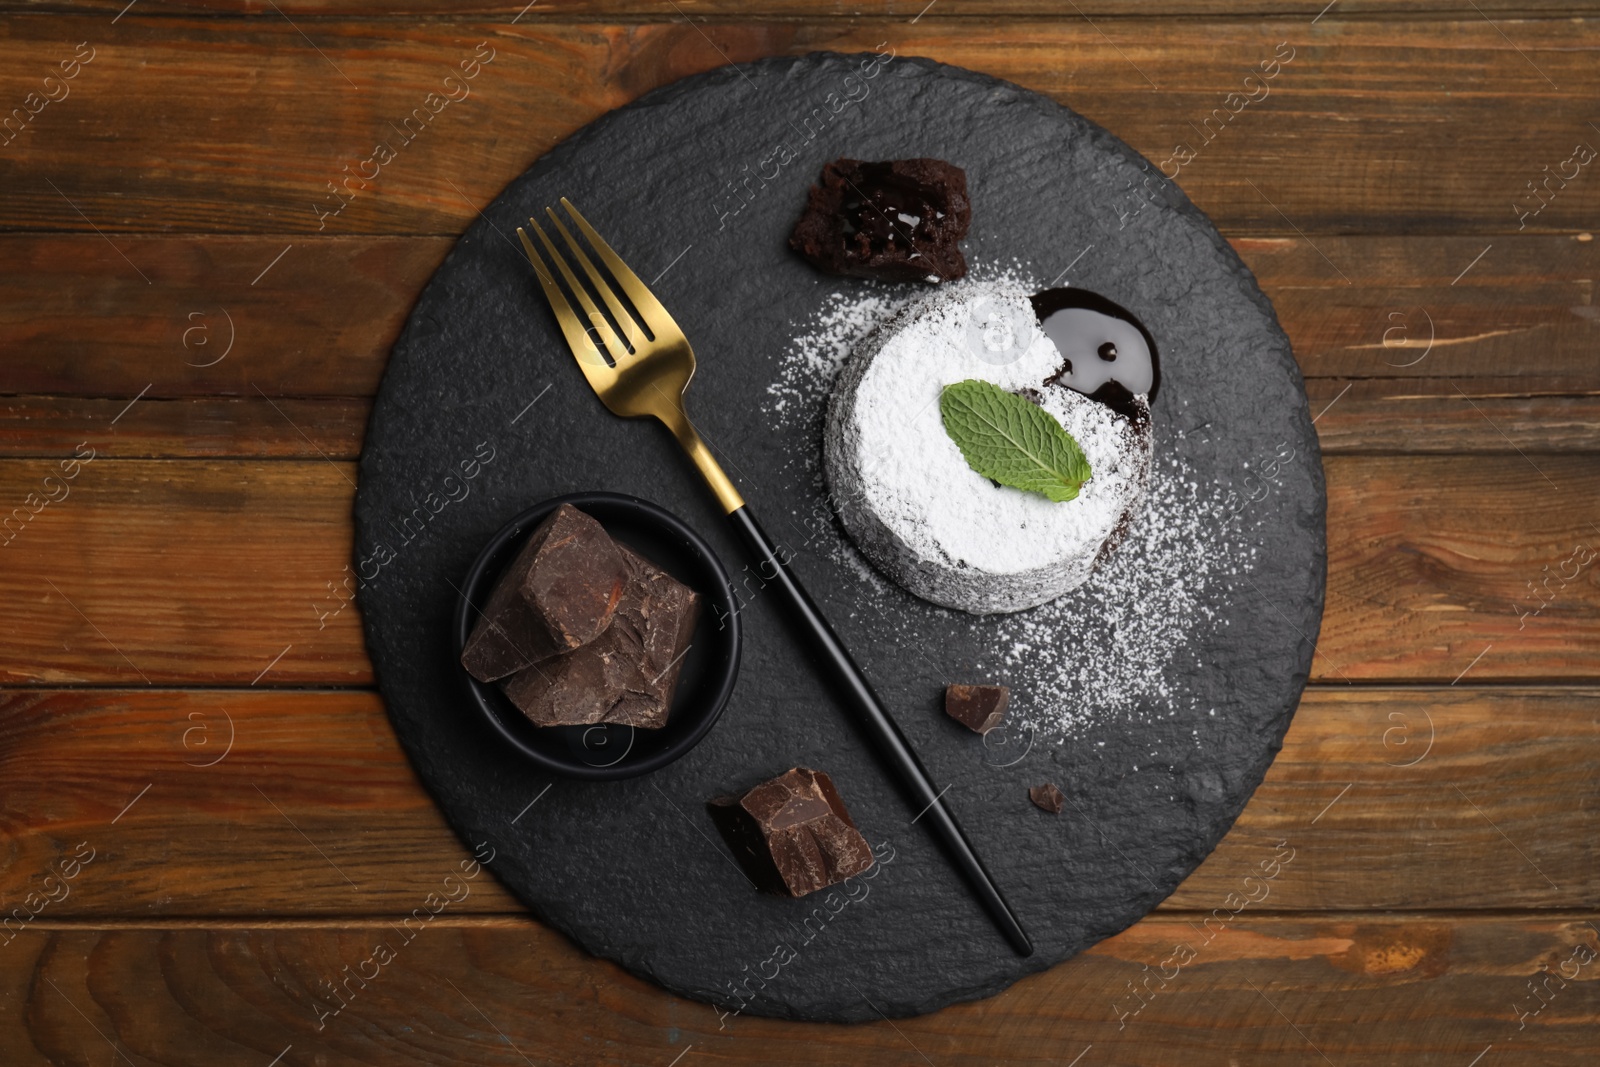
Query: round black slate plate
{"x": 694, "y": 183}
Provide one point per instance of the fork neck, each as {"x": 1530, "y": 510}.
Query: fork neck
{"x": 689, "y": 438}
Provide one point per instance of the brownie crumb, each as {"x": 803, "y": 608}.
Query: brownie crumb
{"x": 898, "y": 220}
{"x": 1047, "y": 798}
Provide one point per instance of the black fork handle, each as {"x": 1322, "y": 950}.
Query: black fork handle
{"x": 880, "y": 728}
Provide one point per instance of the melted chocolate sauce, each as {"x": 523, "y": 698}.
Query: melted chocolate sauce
{"x": 1084, "y": 325}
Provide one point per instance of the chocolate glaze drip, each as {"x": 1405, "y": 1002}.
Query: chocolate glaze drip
{"x": 1084, "y": 324}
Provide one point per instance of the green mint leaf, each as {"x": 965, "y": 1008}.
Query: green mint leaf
{"x": 1011, "y": 440}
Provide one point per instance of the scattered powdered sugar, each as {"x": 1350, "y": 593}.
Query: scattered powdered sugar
{"x": 1126, "y": 623}
{"x": 820, "y": 347}
{"x": 814, "y": 357}
{"x": 1103, "y": 652}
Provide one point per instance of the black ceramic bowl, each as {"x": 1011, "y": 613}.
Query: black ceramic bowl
{"x": 609, "y": 751}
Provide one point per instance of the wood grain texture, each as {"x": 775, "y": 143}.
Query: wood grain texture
{"x": 254, "y": 426}
{"x": 1429, "y": 578}
{"x": 1421, "y": 991}
{"x": 180, "y": 125}
{"x": 288, "y": 316}
{"x": 221, "y": 572}
{"x": 724, "y": 10}
{"x": 1385, "y": 795}
{"x": 1444, "y": 873}
{"x": 1449, "y": 416}
{"x": 196, "y": 572}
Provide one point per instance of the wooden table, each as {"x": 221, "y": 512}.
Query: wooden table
{"x": 207, "y": 820}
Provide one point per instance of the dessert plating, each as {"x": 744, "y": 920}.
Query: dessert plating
{"x": 915, "y": 507}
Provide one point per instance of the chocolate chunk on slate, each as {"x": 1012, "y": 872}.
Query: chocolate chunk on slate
{"x": 977, "y": 707}
{"x": 792, "y": 833}
{"x": 899, "y": 220}
{"x": 1047, "y": 798}
{"x": 557, "y": 595}
{"x": 626, "y": 675}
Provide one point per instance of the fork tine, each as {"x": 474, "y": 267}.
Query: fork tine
{"x": 650, "y": 310}
{"x": 579, "y": 340}
{"x": 631, "y": 330}
{"x": 597, "y": 321}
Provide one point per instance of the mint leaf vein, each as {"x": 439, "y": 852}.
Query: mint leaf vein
{"x": 1012, "y": 440}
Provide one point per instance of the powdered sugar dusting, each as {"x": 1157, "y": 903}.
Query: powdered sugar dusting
{"x": 821, "y": 346}
{"x": 1104, "y": 652}
{"x": 1136, "y": 611}
{"x": 948, "y": 533}
{"x": 814, "y": 357}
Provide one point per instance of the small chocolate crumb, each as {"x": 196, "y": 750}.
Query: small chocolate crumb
{"x": 1047, "y": 798}
{"x": 977, "y": 707}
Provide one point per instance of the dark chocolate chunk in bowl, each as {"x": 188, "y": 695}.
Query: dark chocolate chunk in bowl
{"x": 704, "y": 179}
{"x": 627, "y": 674}
{"x": 650, "y": 686}
{"x": 557, "y": 595}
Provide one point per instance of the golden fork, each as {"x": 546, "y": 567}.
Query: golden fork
{"x": 649, "y": 368}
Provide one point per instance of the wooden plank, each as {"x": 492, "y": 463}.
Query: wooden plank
{"x": 1443, "y": 564}
{"x": 1448, "y": 416}
{"x": 1425, "y": 991}
{"x": 1391, "y": 795}
{"x": 308, "y": 792}
{"x": 197, "y": 572}
{"x": 1431, "y": 558}
{"x": 1419, "y": 339}
{"x": 44, "y": 427}
{"x": 1385, "y": 797}
{"x": 230, "y": 315}
{"x": 721, "y": 10}
{"x": 165, "y": 130}
{"x": 1516, "y": 311}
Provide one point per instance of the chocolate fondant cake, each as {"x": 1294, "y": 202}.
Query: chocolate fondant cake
{"x": 899, "y": 220}
{"x": 912, "y": 503}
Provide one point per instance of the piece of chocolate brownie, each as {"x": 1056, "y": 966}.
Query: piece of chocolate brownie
{"x": 898, "y": 220}
{"x": 629, "y": 673}
{"x": 792, "y": 834}
{"x": 557, "y": 595}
